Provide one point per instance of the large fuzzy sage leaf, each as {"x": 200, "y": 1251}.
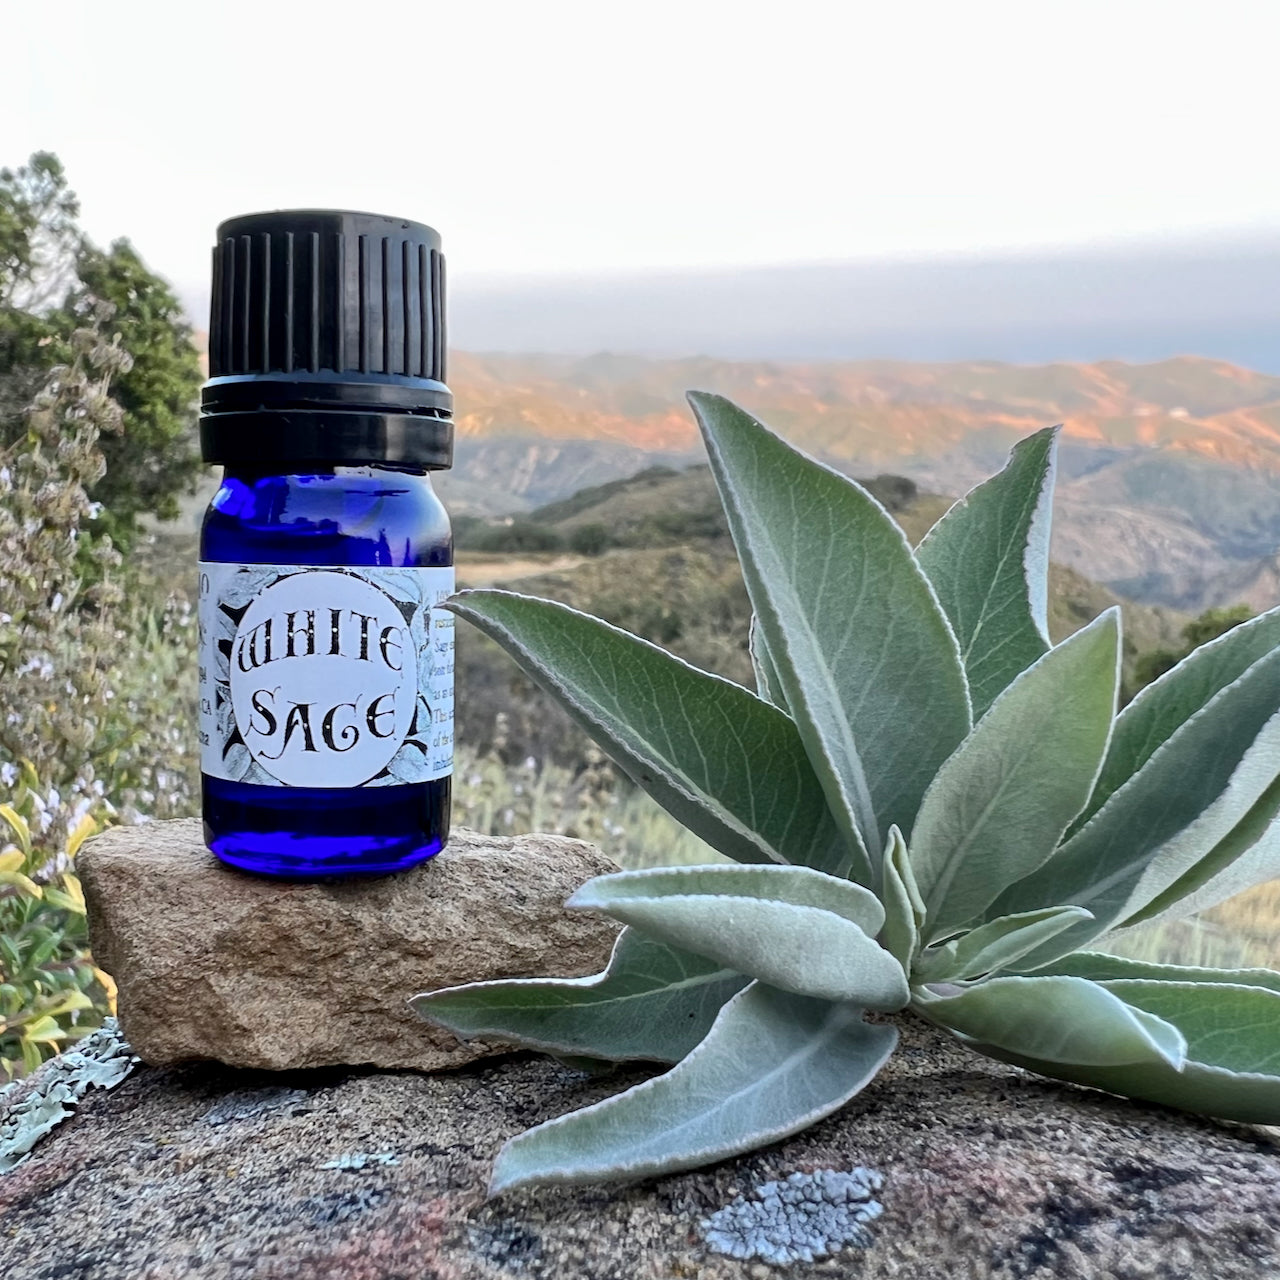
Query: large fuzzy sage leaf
{"x": 1232, "y": 1065}
{"x": 652, "y": 1002}
{"x": 727, "y": 765}
{"x": 772, "y": 1064}
{"x": 988, "y": 560}
{"x": 1189, "y": 795}
{"x": 1165, "y": 705}
{"x": 866, "y": 660}
{"x": 791, "y": 927}
{"x": 1058, "y": 1020}
{"x": 1227, "y": 1026}
{"x": 1195, "y": 1087}
{"x": 1248, "y": 855}
{"x": 995, "y": 945}
{"x": 1099, "y": 966}
{"x": 999, "y": 805}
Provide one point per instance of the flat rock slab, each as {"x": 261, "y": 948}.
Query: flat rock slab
{"x": 212, "y": 963}
{"x": 988, "y": 1172}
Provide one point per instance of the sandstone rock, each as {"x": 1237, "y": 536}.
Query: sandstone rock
{"x": 214, "y": 963}
{"x": 198, "y": 1173}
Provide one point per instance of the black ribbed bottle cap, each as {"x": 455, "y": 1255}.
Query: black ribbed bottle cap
{"x": 327, "y": 343}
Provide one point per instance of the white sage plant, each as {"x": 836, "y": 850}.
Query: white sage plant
{"x": 927, "y": 805}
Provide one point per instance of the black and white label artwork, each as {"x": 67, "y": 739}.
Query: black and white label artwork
{"x": 325, "y": 677}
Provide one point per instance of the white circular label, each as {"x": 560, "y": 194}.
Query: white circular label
{"x": 323, "y": 679}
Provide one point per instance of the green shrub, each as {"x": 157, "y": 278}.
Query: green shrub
{"x": 59, "y": 637}
{"x": 51, "y": 277}
{"x": 518, "y": 536}
{"x": 1211, "y": 624}
{"x": 51, "y": 992}
{"x": 98, "y": 679}
{"x": 589, "y": 540}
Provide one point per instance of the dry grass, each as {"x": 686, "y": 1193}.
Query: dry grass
{"x": 490, "y": 569}
{"x": 595, "y": 803}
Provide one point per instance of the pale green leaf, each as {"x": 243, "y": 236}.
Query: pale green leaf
{"x": 1232, "y": 1068}
{"x": 724, "y": 763}
{"x": 1057, "y": 1019}
{"x": 988, "y": 560}
{"x": 791, "y": 927}
{"x": 1190, "y": 794}
{"x": 864, "y": 655}
{"x": 18, "y": 824}
{"x": 1234, "y": 1027}
{"x": 1248, "y": 855}
{"x": 1000, "y": 804}
{"x": 24, "y": 883}
{"x": 43, "y": 1031}
{"x": 1099, "y": 966}
{"x": 1201, "y": 1089}
{"x": 652, "y": 1002}
{"x": 768, "y": 685}
{"x": 772, "y": 1064}
{"x": 798, "y": 886}
{"x": 995, "y": 945}
{"x": 67, "y": 1002}
{"x": 1166, "y": 704}
{"x": 903, "y": 906}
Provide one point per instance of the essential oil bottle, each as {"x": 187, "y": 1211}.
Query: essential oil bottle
{"x": 326, "y": 671}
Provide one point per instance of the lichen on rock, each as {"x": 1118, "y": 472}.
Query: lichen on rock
{"x": 356, "y": 1160}
{"x": 809, "y": 1216}
{"x": 33, "y": 1106}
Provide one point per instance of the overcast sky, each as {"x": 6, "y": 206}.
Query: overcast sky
{"x": 558, "y": 136}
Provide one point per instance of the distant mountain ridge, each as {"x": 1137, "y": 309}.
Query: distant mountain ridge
{"x": 1170, "y": 471}
{"x": 1170, "y": 487}
{"x": 657, "y": 516}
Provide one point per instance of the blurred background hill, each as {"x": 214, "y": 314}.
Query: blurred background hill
{"x": 1169, "y": 490}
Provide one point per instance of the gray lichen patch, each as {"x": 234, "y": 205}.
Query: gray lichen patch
{"x": 32, "y": 1107}
{"x": 355, "y": 1160}
{"x": 809, "y": 1216}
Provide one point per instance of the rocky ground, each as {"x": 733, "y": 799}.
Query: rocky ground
{"x": 206, "y": 1171}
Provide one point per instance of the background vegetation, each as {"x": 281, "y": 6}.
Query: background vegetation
{"x": 98, "y": 385}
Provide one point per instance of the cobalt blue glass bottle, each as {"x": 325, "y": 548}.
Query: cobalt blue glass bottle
{"x": 326, "y": 671}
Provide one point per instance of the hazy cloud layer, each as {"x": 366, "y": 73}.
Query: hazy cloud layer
{"x": 1198, "y": 298}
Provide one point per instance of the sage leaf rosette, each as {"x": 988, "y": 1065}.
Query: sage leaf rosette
{"x": 925, "y": 804}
